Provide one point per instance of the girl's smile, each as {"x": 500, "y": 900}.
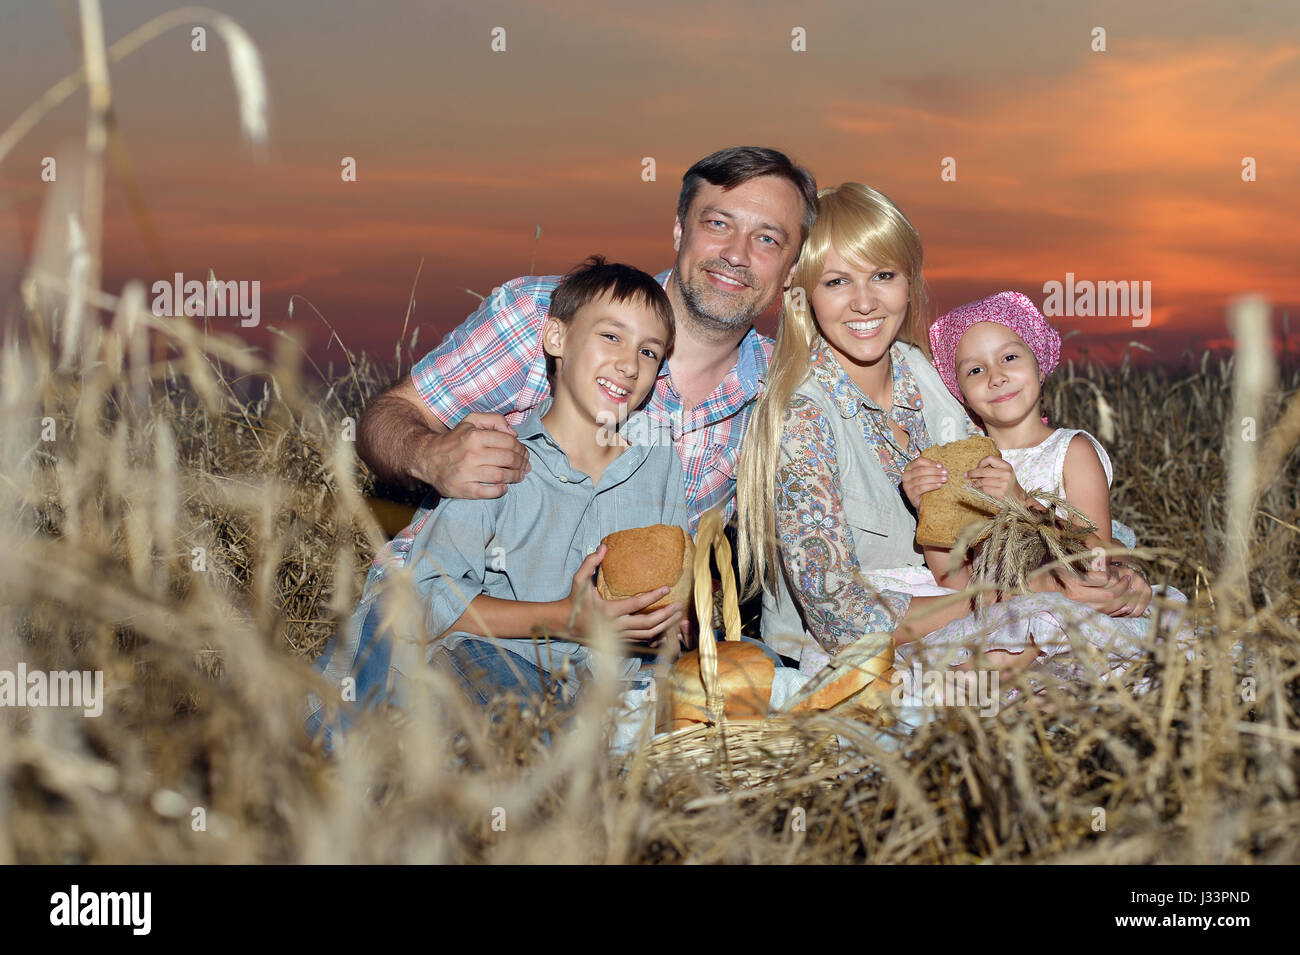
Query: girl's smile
{"x": 999, "y": 378}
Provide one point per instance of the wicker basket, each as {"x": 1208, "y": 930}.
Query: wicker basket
{"x": 730, "y": 753}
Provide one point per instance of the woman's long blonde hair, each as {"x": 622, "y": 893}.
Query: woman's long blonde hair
{"x": 865, "y": 228}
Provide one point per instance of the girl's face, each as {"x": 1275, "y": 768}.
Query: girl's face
{"x": 998, "y": 374}
{"x": 859, "y": 311}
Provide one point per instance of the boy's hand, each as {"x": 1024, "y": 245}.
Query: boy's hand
{"x": 685, "y": 636}
{"x": 995, "y": 476}
{"x": 920, "y": 476}
{"x": 635, "y": 625}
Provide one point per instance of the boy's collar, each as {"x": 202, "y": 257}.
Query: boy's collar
{"x": 557, "y": 463}
{"x": 532, "y": 426}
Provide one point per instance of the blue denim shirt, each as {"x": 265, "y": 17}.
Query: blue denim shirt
{"x": 525, "y": 545}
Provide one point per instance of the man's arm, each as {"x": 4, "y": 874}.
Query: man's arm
{"x": 394, "y": 425}
{"x": 444, "y": 424}
{"x": 401, "y": 438}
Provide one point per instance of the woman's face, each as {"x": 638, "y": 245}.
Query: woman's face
{"x": 997, "y": 373}
{"x": 859, "y": 311}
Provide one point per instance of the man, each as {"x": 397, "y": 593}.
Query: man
{"x": 742, "y": 216}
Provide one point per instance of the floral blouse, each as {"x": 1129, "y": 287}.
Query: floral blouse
{"x": 817, "y": 548}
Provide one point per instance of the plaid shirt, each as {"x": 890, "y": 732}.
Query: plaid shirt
{"x": 494, "y": 362}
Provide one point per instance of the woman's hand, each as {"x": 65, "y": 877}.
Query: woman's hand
{"x": 995, "y": 476}
{"x": 1137, "y": 595}
{"x": 637, "y": 627}
{"x": 1116, "y": 591}
{"x": 920, "y": 476}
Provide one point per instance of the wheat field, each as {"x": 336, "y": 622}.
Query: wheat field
{"x": 199, "y": 548}
{"x": 190, "y": 519}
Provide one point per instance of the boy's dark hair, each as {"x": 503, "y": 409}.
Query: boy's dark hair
{"x": 595, "y": 277}
{"x": 729, "y": 168}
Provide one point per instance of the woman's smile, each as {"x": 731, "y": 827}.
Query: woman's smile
{"x": 865, "y": 328}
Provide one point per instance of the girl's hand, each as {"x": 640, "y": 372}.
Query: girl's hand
{"x": 635, "y": 625}
{"x": 920, "y": 476}
{"x": 995, "y": 476}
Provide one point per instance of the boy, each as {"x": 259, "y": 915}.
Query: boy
{"x": 487, "y": 571}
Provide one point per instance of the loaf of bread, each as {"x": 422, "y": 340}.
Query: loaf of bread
{"x": 645, "y": 558}
{"x": 745, "y": 675}
{"x": 859, "y": 676}
{"x": 946, "y": 511}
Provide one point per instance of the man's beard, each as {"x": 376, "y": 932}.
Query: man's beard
{"x": 706, "y": 313}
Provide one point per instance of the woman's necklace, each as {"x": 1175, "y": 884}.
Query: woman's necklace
{"x": 890, "y": 437}
{"x": 888, "y": 407}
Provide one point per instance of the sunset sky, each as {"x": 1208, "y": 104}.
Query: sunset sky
{"x": 1123, "y": 165}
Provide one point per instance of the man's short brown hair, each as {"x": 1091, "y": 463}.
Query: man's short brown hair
{"x": 731, "y": 167}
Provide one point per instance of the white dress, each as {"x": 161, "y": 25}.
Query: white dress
{"x": 1047, "y": 618}
{"x": 1042, "y": 467}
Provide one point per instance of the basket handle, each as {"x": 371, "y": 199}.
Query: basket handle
{"x": 710, "y": 540}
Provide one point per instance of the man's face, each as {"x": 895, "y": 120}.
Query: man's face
{"x": 737, "y": 249}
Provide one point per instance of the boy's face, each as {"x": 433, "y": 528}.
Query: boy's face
{"x": 997, "y": 373}
{"x": 607, "y": 357}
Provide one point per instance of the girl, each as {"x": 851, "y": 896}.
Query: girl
{"x": 994, "y": 355}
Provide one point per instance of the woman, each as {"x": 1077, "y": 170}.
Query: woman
{"x": 851, "y": 399}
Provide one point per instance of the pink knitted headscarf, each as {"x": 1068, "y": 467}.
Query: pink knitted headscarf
{"x": 1011, "y": 309}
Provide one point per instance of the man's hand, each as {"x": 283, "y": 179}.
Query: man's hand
{"x": 638, "y": 628}
{"x": 399, "y": 437}
{"x": 996, "y": 477}
{"x": 479, "y": 458}
{"x": 920, "y": 476}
